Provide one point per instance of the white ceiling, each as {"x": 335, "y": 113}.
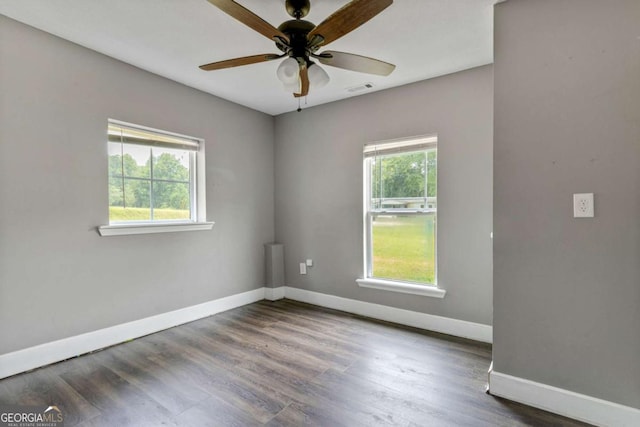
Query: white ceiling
{"x": 171, "y": 38}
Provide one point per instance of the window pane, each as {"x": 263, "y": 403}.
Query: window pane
{"x": 136, "y": 161}
{"x": 432, "y": 176}
{"x": 403, "y": 180}
{"x": 403, "y": 247}
{"x": 116, "y": 191}
{"x": 152, "y": 175}
{"x": 171, "y": 164}
{"x": 134, "y": 205}
{"x": 170, "y": 201}
{"x": 115, "y": 159}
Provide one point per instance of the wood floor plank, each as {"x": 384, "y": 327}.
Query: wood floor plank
{"x": 43, "y": 388}
{"x": 248, "y": 394}
{"x": 299, "y": 414}
{"x": 280, "y": 363}
{"x": 175, "y": 396}
{"x": 396, "y": 407}
{"x": 119, "y": 402}
{"x": 338, "y": 358}
{"x": 262, "y": 351}
{"x": 215, "y": 412}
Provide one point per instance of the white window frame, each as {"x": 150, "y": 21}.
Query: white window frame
{"x": 197, "y": 196}
{"x": 405, "y": 145}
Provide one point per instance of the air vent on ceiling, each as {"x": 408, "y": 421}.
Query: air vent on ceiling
{"x": 360, "y": 88}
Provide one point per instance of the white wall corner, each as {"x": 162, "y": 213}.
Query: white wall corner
{"x": 563, "y": 402}
{"x": 274, "y": 294}
{"x": 445, "y": 325}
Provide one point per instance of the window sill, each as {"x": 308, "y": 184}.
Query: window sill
{"x": 402, "y": 287}
{"x": 127, "y": 229}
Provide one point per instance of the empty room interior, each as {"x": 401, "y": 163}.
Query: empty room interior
{"x": 413, "y": 213}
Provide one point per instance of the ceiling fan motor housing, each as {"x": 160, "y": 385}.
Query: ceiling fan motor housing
{"x": 296, "y": 30}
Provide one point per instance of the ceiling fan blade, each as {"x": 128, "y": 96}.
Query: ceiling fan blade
{"x": 347, "y": 19}
{"x": 304, "y": 80}
{"x": 352, "y": 62}
{"x": 236, "y": 62}
{"x": 248, "y": 18}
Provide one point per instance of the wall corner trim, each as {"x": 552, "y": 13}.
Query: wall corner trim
{"x": 445, "y": 325}
{"x": 563, "y": 402}
{"x": 274, "y": 294}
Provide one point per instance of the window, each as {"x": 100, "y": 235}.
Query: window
{"x": 400, "y": 206}
{"x": 155, "y": 178}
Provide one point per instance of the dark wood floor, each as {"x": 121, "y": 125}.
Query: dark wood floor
{"x": 278, "y": 364}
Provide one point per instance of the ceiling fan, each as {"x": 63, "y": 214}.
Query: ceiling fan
{"x": 299, "y": 40}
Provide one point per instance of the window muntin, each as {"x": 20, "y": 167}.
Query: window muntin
{"x": 400, "y": 210}
{"x": 152, "y": 175}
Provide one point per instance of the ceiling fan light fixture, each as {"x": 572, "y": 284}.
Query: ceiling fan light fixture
{"x": 318, "y": 77}
{"x": 289, "y": 71}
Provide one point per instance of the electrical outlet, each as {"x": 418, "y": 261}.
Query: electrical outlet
{"x": 303, "y": 268}
{"x": 583, "y": 205}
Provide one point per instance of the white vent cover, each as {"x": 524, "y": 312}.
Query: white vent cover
{"x": 360, "y": 88}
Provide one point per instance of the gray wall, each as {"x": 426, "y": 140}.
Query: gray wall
{"x": 58, "y": 278}
{"x": 319, "y": 189}
{"x": 567, "y": 120}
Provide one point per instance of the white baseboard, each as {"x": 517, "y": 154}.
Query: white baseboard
{"x": 445, "y": 325}
{"x": 564, "y": 402}
{"x": 553, "y": 399}
{"x": 273, "y": 294}
{"x": 45, "y": 354}
{"x": 55, "y": 351}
